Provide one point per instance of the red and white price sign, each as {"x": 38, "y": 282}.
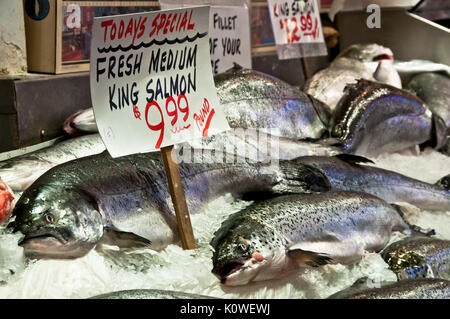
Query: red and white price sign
{"x": 151, "y": 80}
{"x": 295, "y": 21}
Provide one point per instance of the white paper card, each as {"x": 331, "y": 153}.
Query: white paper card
{"x": 295, "y": 21}
{"x": 230, "y": 38}
{"x": 150, "y": 85}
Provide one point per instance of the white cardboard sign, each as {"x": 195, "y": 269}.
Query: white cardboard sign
{"x": 295, "y": 21}
{"x": 150, "y": 85}
{"x": 230, "y": 38}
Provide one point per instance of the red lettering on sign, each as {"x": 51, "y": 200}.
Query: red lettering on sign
{"x": 191, "y": 26}
{"x": 179, "y": 129}
{"x": 205, "y": 113}
{"x": 154, "y": 25}
{"x": 294, "y": 32}
{"x": 135, "y": 28}
{"x": 141, "y": 28}
{"x": 136, "y": 112}
{"x": 105, "y": 24}
{"x": 121, "y": 29}
{"x": 158, "y": 127}
{"x": 176, "y": 22}
{"x": 295, "y": 37}
{"x": 171, "y": 112}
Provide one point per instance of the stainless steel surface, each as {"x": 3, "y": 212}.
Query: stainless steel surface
{"x": 289, "y": 71}
{"x": 408, "y": 35}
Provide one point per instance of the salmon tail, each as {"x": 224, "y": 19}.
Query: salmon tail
{"x": 444, "y": 182}
{"x": 413, "y": 230}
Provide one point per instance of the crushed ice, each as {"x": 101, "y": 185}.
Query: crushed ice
{"x": 111, "y": 269}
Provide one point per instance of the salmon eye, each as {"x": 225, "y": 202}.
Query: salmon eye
{"x": 243, "y": 247}
{"x": 49, "y": 218}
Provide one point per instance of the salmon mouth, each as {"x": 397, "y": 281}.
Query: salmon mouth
{"x": 50, "y": 246}
{"x": 225, "y": 269}
{"x": 239, "y": 272}
{"x": 383, "y": 56}
{"x": 41, "y": 242}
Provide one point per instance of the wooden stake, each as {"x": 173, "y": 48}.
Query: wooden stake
{"x": 305, "y": 68}
{"x": 178, "y": 199}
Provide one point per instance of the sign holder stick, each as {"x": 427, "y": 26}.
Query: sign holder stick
{"x": 305, "y": 68}
{"x": 178, "y": 198}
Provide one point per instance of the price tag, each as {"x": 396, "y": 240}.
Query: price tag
{"x": 230, "y": 38}
{"x": 295, "y": 21}
{"x": 150, "y": 84}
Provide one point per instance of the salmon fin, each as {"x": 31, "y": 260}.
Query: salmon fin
{"x": 309, "y": 258}
{"x": 302, "y": 178}
{"x": 258, "y": 196}
{"x": 444, "y": 182}
{"x": 113, "y": 236}
{"x": 331, "y": 141}
{"x": 415, "y": 230}
{"x": 353, "y": 159}
{"x": 235, "y": 67}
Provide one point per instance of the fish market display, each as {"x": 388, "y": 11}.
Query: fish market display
{"x": 80, "y": 123}
{"x": 404, "y": 289}
{"x": 360, "y": 61}
{"x": 345, "y": 172}
{"x": 7, "y": 201}
{"x": 63, "y": 214}
{"x": 419, "y": 257}
{"x": 252, "y": 99}
{"x": 434, "y": 90}
{"x": 289, "y": 207}
{"x": 150, "y": 294}
{"x": 373, "y": 118}
{"x": 20, "y": 172}
{"x": 182, "y": 270}
{"x": 271, "y": 237}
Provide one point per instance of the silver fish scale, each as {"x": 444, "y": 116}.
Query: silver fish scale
{"x": 434, "y": 89}
{"x": 302, "y": 217}
{"x": 251, "y": 99}
{"x": 20, "y": 172}
{"x": 334, "y": 216}
{"x": 149, "y": 294}
{"x": 356, "y": 112}
{"x": 387, "y": 185}
{"x": 416, "y": 252}
{"x": 132, "y": 194}
{"x": 404, "y": 289}
{"x": 337, "y": 226}
{"x": 372, "y": 118}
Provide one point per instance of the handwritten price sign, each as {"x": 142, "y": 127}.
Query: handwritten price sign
{"x": 151, "y": 80}
{"x": 295, "y": 21}
{"x": 172, "y": 109}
